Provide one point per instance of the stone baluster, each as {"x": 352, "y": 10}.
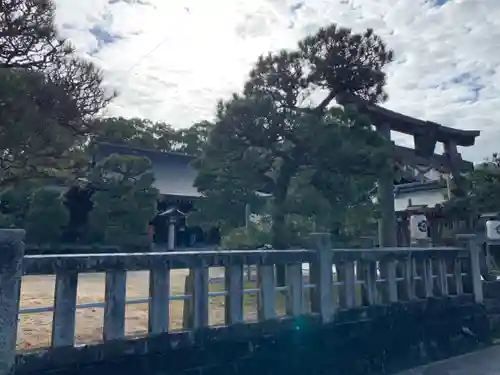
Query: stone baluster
{"x": 477, "y": 282}
{"x": 473, "y": 267}
{"x": 409, "y": 277}
{"x": 63, "y": 326}
{"x": 295, "y": 295}
{"x": 159, "y": 294}
{"x": 200, "y": 297}
{"x": 322, "y": 269}
{"x": 267, "y": 292}
{"x": 442, "y": 276}
{"x": 114, "y": 308}
{"x": 369, "y": 270}
{"x": 457, "y": 276}
{"x": 428, "y": 277}
{"x": 233, "y": 279}
{"x": 347, "y": 298}
{"x": 388, "y": 268}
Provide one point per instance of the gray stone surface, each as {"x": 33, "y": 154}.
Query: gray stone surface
{"x": 483, "y": 362}
{"x": 51, "y": 264}
{"x": 344, "y": 336}
{"x": 11, "y": 253}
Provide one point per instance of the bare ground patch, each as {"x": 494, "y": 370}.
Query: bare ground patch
{"x": 38, "y": 291}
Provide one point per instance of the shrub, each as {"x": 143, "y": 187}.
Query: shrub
{"x": 46, "y": 218}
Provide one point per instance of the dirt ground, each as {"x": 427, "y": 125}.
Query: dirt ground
{"x": 37, "y": 291}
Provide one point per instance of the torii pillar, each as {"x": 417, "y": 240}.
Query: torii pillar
{"x": 387, "y": 226}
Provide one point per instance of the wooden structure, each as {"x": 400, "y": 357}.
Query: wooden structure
{"x": 426, "y": 135}
{"x": 174, "y": 179}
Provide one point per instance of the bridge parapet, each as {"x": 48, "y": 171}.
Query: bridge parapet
{"x": 324, "y": 286}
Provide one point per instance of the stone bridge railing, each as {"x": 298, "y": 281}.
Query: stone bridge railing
{"x": 338, "y": 280}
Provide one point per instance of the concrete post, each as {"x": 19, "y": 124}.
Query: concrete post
{"x": 11, "y": 255}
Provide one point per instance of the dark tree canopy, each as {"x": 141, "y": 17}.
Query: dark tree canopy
{"x": 192, "y": 140}
{"x": 34, "y": 139}
{"x": 29, "y": 41}
{"x": 273, "y": 133}
{"x": 483, "y": 195}
{"x": 345, "y": 62}
{"x": 136, "y": 132}
{"x": 334, "y": 60}
{"x": 485, "y": 185}
{"x": 124, "y": 201}
{"x": 48, "y": 95}
{"x": 251, "y": 149}
{"x": 143, "y": 133}
{"x": 28, "y": 38}
{"x": 46, "y": 218}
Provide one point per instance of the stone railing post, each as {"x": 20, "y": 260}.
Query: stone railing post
{"x": 11, "y": 256}
{"x": 187, "y": 310}
{"x": 475, "y": 265}
{"x": 321, "y": 275}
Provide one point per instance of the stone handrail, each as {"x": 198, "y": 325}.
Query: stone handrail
{"x": 387, "y": 275}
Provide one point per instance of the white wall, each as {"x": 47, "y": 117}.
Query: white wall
{"x": 429, "y": 198}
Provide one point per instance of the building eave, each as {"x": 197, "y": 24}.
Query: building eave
{"x": 413, "y": 187}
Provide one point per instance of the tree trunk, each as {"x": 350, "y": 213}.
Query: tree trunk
{"x": 279, "y": 240}
{"x": 279, "y": 237}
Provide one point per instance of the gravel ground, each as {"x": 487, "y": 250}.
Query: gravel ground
{"x": 37, "y": 291}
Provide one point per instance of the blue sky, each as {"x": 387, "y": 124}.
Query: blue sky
{"x": 172, "y": 60}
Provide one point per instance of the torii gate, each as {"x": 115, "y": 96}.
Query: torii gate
{"x": 426, "y": 135}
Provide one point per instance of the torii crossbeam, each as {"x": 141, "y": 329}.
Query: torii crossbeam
{"x": 426, "y": 135}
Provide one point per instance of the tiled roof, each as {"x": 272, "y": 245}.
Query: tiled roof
{"x": 173, "y": 172}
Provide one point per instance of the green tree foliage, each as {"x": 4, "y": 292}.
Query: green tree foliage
{"x": 224, "y": 205}
{"x": 35, "y": 144}
{"x": 28, "y": 38}
{"x": 124, "y": 202}
{"x": 252, "y": 237}
{"x": 342, "y": 207}
{"x": 345, "y": 162}
{"x": 143, "y": 133}
{"x": 334, "y": 60}
{"x": 15, "y": 204}
{"x": 341, "y": 62}
{"x": 264, "y": 138}
{"x": 48, "y": 96}
{"x": 192, "y": 140}
{"x": 77, "y": 200}
{"x": 39, "y": 210}
{"x": 483, "y": 194}
{"x": 46, "y": 218}
{"x": 137, "y": 132}
{"x": 485, "y": 185}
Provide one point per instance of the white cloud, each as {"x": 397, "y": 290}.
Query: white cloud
{"x": 172, "y": 61}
